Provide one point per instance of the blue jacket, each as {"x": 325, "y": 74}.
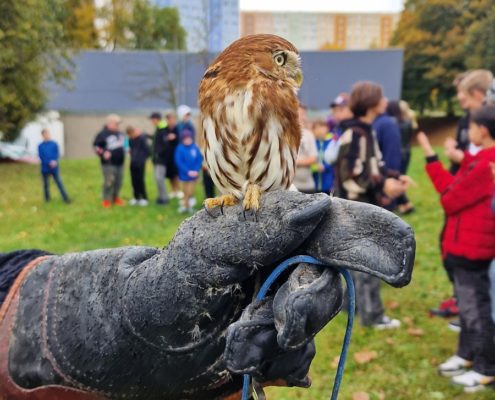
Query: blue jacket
{"x": 324, "y": 180}
{"x": 188, "y": 158}
{"x": 48, "y": 151}
{"x": 388, "y": 136}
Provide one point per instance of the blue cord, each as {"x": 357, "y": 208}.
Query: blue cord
{"x": 350, "y": 319}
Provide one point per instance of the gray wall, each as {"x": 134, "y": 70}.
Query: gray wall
{"x": 135, "y": 82}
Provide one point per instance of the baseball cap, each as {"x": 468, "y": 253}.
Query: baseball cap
{"x": 342, "y": 100}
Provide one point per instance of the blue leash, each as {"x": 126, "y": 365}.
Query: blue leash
{"x": 350, "y": 320}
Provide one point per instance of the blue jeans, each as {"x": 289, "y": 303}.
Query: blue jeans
{"x": 58, "y": 181}
{"x": 492, "y": 287}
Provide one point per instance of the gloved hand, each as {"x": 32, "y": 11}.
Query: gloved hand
{"x": 153, "y": 324}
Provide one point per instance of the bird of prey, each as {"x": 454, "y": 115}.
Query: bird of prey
{"x": 250, "y": 126}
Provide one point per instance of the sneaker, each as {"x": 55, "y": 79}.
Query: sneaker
{"x": 161, "y": 202}
{"x": 473, "y": 381}
{"x": 455, "y": 325}
{"x": 182, "y": 210}
{"x": 190, "y": 210}
{"x": 143, "y": 202}
{"x": 448, "y": 308}
{"x": 106, "y": 204}
{"x": 387, "y": 323}
{"x": 454, "y": 366}
{"x": 119, "y": 202}
{"x": 192, "y": 202}
{"x": 133, "y": 202}
{"x": 179, "y": 195}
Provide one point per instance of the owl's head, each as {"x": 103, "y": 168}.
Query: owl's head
{"x": 268, "y": 55}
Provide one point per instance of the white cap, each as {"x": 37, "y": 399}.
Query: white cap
{"x": 182, "y": 111}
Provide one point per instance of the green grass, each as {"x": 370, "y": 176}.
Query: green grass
{"x": 405, "y": 366}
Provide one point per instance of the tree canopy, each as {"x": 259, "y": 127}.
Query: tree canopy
{"x": 442, "y": 38}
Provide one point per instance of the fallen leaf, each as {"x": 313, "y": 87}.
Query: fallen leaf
{"x": 335, "y": 362}
{"x": 415, "y": 331}
{"x": 381, "y": 395}
{"x": 360, "y": 396}
{"x": 390, "y": 341}
{"x": 392, "y": 304}
{"x": 365, "y": 356}
{"x": 408, "y": 321}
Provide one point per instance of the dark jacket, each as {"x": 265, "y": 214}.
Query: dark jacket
{"x": 112, "y": 141}
{"x": 139, "y": 150}
{"x": 466, "y": 199}
{"x": 48, "y": 151}
{"x": 360, "y": 172}
{"x": 324, "y": 179}
{"x": 388, "y": 136}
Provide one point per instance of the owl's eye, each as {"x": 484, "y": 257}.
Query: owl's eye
{"x": 280, "y": 58}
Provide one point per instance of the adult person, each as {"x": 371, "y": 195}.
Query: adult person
{"x": 109, "y": 145}
{"x": 361, "y": 175}
{"x": 49, "y": 156}
{"x": 306, "y": 157}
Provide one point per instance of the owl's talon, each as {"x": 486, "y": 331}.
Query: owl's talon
{"x": 219, "y": 202}
{"x": 208, "y": 212}
{"x": 252, "y": 214}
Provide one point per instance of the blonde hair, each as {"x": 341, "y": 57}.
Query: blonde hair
{"x": 408, "y": 114}
{"x": 478, "y": 80}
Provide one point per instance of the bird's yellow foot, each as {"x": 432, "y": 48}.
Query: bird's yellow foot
{"x": 221, "y": 201}
{"x": 252, "y": 200}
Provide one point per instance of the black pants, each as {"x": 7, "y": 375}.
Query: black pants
{"x": 208, "y": 185}
{"x": 137, "y": 179}
{"x": 472, "y": 286}
{"x": 58, "y": 181}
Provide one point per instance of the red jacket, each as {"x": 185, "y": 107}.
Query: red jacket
{"x": 466, "y": 198}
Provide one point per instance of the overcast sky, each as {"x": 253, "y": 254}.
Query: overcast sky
{"x": 323, "y": 5}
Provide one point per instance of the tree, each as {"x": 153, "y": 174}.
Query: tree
{"x": 433, "y": 41}
{"x": 156, "y": 28}
{"x": 480, "y": 37}
{"x": 115, "y": 19}
{"x": 32, "y": 49}
{"x": 79, "y": 23}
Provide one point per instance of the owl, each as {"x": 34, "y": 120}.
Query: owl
{"x": 249, "y": 118}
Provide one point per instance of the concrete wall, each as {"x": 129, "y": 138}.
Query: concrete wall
{"x": 80, "y": 131}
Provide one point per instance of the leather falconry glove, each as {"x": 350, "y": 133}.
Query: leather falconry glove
{"x": 180, "y": 322}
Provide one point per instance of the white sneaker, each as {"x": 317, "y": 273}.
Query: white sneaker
{"x": 179, "y": 195}
{"x": 454, "y": 366}
{"x": 143, "y": 202}
{"x": 473, "y": 381}
{"x": 192, "y": 202}
{"x": 387, "y": 323}
{"x": 182, "y": 210}
{"x": 133, "y": 202}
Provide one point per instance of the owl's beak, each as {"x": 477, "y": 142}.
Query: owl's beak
{"x": 299, "y": 78}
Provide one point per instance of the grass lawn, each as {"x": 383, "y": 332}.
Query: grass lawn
{"x": 397, "y": 364}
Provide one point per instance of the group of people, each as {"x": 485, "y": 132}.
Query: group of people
{"x": 363, "y": 154}
{"x": 173, "y": 150}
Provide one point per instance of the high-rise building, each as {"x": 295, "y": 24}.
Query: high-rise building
{"x": 210, "y": 24}
{"x": 324, "y": 30}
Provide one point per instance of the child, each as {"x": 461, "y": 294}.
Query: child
{"x": 139, "y": 153}
{"x": 468, "y": 244}
{"x": 322, "y": 171}
{"x": 48, "y": 153}
{"x": 188, "y": 159}
{"x": 360, "y": 175}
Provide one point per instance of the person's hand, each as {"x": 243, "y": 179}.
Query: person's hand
{"x": 452, "y": 152}
{"x": 193, "y": 174}
{"x": 52, "y": 164}
{"x": 171, "y": 136}
{"x": 393, "y": 188}
{"x": 425, "y": 144}
{"x": 407, "y": 181}
{"x": 107, "y": 155}
{"x": 321, "y": 168}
